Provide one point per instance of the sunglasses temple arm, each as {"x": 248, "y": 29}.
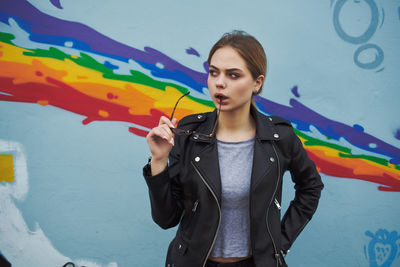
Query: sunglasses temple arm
{"x": 216, "y": 120}
{"x": 176, "y": 104}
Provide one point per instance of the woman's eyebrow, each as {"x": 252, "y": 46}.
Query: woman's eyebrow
{"x": 234, "y": 69}
{"x": 231, "y": 69}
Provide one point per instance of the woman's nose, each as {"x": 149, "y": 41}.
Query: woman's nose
{"x": 220, "y": 81}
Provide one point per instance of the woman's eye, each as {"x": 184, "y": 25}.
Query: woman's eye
{"x": 212, "y": 72}
{"x": 234, "y": 75}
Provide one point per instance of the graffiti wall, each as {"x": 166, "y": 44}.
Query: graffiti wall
{"x": 82, "y": 82}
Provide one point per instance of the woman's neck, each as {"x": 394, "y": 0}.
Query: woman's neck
{"x": 237, "y": 125}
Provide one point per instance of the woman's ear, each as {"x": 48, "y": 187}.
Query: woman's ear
{"x": 258, "y": 83}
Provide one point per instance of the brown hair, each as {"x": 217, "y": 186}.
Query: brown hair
{"x": 249, "y": 49}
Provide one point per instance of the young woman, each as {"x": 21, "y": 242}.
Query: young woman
{"x": 219, "y": 174}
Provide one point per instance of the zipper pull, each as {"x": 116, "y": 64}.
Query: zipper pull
{"x": 195, "y": 205}
{"x": 277, "y": 204}
{"x": 278, "y": 258}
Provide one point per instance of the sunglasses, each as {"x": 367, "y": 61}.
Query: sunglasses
{"x": 178, "y": 131}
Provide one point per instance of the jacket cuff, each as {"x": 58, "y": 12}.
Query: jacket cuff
{"x": 285, "y": 244}
{"x": 159, "y": 179}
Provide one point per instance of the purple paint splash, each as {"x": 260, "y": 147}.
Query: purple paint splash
{"x": 56, "y": 3}
{"x": 192, "y": 51}
{"x": 297, "y": 112}
{"x": 295, "y": 91}
{"x": 47, "y": 29}
{"x": 397, "y": 135}
{"x": 43, "y": 27}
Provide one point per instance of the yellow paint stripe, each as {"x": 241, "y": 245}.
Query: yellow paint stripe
{"x": 330, "y": 152}
{"x": 81, "y": 78}
{"x": 6, "y": 168}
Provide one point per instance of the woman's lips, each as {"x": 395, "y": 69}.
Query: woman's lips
{"x": 221, "y": 98}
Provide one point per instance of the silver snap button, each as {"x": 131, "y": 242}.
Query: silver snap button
{"x": 276, "y": 135}
{"x": 196, "y": 136}
{"x": 199, "y": 116}
{"x": 270, "y": 118}
{"x": 197, "y": 159}
{"x": 180, "y": 246}
{"x": 272, "y": 159}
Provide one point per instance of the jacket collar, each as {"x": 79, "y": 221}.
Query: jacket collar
{"x": 265, "y": 128}
{"x": 206, "y": 156}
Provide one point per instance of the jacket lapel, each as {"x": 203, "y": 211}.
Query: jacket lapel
{"x": 205, "y": 158}
{"x": 207, "y": 164}
{"x": 263, "y": 161}
{"x": 264, "y": 155}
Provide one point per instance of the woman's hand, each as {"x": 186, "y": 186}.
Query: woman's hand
{"x": 160, "y": 141}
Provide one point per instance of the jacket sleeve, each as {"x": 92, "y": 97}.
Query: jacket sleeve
{"x": 308, "y": 186}
{"x": 165, "y": 192}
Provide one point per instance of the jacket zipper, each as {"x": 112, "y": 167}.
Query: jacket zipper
{"x": 277, "y": 256}
{"x": 195, "y": 206}
{"x": 191, "y": 221}
{"x": 277, "y": 204}
{"x": 219, "y": 210}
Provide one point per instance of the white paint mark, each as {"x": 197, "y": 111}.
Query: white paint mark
{"x": 18, "y": 244}
{"x": 372, "y": 145}
{"x": 69, "y": 44}
{"x": 160, "y": 65}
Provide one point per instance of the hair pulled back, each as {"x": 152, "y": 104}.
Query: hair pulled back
{"x": 248, "y": 48}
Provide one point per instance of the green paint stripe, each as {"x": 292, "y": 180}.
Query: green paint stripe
{"x": 366, "y": 157}
{"x": 311, "y": 141}
{"x": 6, "y": 38}
{"x": 343, "y": 152}
{"x": 89, "y": 62}
{"x": 137, "y": 77}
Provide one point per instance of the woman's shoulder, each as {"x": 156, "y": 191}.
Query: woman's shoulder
{"x": 272, "y": 120}
{"x": 283, "y": 127}
{"x": 194, "y": 119}
{"x": 274, "y": 127}
{"x": 279, "y": 121}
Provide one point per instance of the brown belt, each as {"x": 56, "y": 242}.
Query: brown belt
{"x": 245, "y": 262}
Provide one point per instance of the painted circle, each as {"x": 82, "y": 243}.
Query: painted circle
{"x": 367, "y": 34}
{"x": 370, "y": 65}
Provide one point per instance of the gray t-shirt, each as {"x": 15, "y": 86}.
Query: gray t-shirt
{"x": 235, "y": 163}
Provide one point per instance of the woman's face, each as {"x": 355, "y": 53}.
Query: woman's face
{"x": 229, "y": 80}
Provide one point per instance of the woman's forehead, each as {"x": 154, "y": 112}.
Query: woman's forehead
{"x": 227, "y": 58}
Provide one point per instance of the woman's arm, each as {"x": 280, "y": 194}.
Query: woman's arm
{"x": 162, "y": 176}
{"x": 308, "y": 186}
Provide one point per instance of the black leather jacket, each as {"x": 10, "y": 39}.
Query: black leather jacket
{"x": 188, "y": 191}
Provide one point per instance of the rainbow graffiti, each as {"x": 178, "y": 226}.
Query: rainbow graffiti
{"x": 48, "y": 61}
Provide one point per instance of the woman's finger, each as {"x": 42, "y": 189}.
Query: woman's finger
{"x": 167, "y": 129}
{"x": 163, "y": 132}
{"x": 165, "y": 120}
{"x": 174, "y": 120}
{"x": 159, "y": 132}
{"x": 168, "y": 133}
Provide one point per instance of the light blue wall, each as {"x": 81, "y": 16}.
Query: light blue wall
{"x": 83, "y": 198}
